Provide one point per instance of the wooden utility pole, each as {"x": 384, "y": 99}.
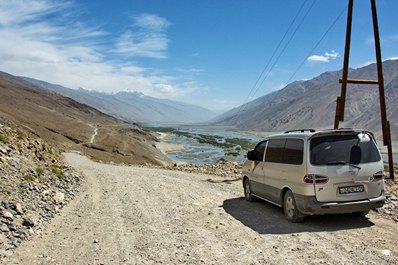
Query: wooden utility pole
{"x": 340, "y": 106}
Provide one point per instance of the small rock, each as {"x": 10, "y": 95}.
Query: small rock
{"x": 5, "y": 253}
{"x": 12, "y": 227}
{"x": 8, "y": 215}
{"x": 59, "y": 197}
{"x": 385, "y": 252}
{"x": 14, "y": 241}
{"x": 6, "y": 204}
{"x": 4, "y": 228}
{"x": 22, "y": 232}
{"x": 3, "y": 239}
{"x": 96, "y": 241}
{"x": 18, "y": 208}
{"x": 28, "y": 222}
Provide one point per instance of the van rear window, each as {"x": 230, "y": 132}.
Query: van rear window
{"x": 331, "y": 149}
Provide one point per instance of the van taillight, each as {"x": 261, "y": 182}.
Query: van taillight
{"x": 378, "y": 175}
{"x": 317, "y": 179}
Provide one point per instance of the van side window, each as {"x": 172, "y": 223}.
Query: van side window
{"x": 286, "y": 151}
{"x": 259, "y": 151}
{"x": 294, "y": 151}
{"x": 275, "y": 151}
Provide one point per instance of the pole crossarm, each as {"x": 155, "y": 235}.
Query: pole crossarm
{"x": 360, "y": 81}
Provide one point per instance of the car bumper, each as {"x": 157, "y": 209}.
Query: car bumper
{"x": 309, "y": 205}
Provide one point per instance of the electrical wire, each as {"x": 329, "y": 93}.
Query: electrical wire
{"x": 256, "y": 86}
{"x": 316, "y": 45}
{"x": 243, "y": 106}
{"x": 286, "y": 45}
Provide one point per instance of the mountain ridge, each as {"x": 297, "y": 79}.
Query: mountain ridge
{"x": 312, "y": 104}
{"x": 132, "y": 106}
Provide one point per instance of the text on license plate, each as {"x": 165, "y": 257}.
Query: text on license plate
{"x": 351, "y": 189}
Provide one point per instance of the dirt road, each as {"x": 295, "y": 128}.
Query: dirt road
{"x": 139, "y": 215}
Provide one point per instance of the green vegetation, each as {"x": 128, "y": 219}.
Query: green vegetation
{"x": 226, "y": 143}
{"x": 4, "y": 139}
{"x": 57, "y": 171}
{"x": 39, "y": 171}
{"x": 20, "y": 134}
{"x": 161, "y": 129}
{"x": 29, "y": 178}
{"x": 231, "y": 146}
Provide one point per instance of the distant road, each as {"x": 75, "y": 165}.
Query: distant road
{"x": 94, "y": 134}
{"x": 142, "y": 215}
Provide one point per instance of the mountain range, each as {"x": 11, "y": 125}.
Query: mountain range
{"x": 301, "y": 104}
{"x": 70, "y": 125}
{"x": 312, "y": 104}
{"x": 132, "y": 106}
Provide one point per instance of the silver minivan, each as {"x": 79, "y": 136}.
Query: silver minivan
{"x": 308, "y": 172}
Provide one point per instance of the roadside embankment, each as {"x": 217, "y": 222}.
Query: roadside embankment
{"x": 35, "y": 185}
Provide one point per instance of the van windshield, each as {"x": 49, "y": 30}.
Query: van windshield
{"x": 342, "y": 149}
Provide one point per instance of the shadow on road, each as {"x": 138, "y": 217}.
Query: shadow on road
{"x": 228, "y": 181}
{"x": 266, "y": 218}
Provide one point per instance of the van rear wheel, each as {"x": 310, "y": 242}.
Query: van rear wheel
{"x": 290, "y": 208}
{"x": 248, "y": 190}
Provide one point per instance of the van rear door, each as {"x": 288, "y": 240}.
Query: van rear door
{"x": 344, "y": 167}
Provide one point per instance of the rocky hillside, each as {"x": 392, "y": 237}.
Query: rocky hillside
{"x": 312, "y": 104}
{"x": 70, "y": 125}
{"x": 34, "y": 185}
{"x": 133, "y": 106}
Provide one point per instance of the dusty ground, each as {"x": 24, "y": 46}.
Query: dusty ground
{"x": 139, "y": 215}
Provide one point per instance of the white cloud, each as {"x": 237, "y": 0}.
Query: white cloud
{"x": 36, "y": 43}
{"x": 318, "y": 58}
{"x": 148, "y": 39}
{"x": 151, "y": 22}
{"x": 332, "y": 55}
{"x": 393, "y": 58}
{"x": 12, "y": 12}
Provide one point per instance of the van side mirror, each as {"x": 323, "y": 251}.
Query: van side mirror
{"x": 251, "y": 155}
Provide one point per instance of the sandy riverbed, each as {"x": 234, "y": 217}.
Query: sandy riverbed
{"x": 166, "y": 147}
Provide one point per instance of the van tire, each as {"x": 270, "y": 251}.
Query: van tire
{"x": 248, "y": 190}
{"x": 290, "y": 208}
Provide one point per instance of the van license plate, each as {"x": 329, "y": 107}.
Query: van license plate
{"x": 351, "y": 189}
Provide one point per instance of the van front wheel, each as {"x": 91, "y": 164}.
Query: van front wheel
{"x": 290, "y": 208}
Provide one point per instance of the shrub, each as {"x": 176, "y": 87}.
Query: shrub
{"x": 4, "y": 139}
{"x": 29, "y": 178}
{"x": 39, "y": 171}
{"x": 20, "y": 134}
{"x": 57, "y": 171}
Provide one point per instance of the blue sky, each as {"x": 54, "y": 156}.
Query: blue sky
{"x": 210, "y": 53}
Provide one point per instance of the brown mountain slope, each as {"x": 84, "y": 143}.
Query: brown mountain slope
{"x": 74, "y": 126}
{"x": 312, "y": 104}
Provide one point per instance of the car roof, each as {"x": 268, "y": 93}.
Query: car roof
{"x": 309, "y": 133}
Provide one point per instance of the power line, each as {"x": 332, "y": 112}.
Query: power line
{"x": 243, "y": 106}
{"x": 277, "y": 48}
{"x": 286, "y": 45}
{"x": 316, "y": 45}
{"x": 255, "y": 87}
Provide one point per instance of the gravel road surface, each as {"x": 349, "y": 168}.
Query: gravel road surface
{"x": 143, "y": 215}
